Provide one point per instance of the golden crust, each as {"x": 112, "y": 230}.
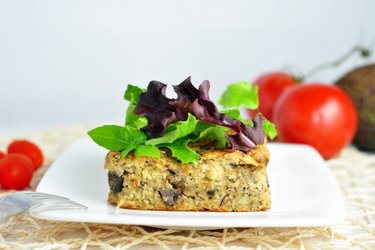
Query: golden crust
{"x": 258, "y": 156}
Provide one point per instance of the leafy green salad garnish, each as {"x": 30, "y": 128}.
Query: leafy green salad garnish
{"x": 154, "y": 121}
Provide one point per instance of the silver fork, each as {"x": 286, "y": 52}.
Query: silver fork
{"x": 24, "y": 201}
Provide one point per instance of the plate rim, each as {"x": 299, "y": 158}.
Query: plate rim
{"x": 337, "y": 217}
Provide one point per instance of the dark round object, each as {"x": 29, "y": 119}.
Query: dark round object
{"x": 359, "y": 84}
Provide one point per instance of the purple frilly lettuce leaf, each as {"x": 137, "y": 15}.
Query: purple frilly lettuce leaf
{"x": 154, "y": 105}
{"x": 162, "y": 111}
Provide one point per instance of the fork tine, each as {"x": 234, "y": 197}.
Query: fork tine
{"x": 20, "y": 202}
{"x": 45, "y": 196}
{"x": 61, "y": 204}
{"x": 53, "y": 201}
{"x": 40, "y": 207}
{"x": 73, "y": 202}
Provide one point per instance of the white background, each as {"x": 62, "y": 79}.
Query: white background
{"x": 67, "y": 62}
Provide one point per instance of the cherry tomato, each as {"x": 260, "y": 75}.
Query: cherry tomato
{"x": 1, "y": 155}
{"x": 16, "y": 171}
{"x": 271, "y": 86}
{"x": 320, "y": 115}
{"x": 28, "y": 149}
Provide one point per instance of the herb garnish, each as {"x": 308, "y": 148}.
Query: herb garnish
{"x": 155, "y": 121}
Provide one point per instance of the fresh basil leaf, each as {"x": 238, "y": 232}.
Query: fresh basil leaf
{"x": 147, "y": 150}
{"x": 270, "y": 129}
{"x": 175, "y": 131}
{"x": 132, "y": 93}
{"x": 133, "y": 137}
{"x": 109, "y": 137}
{"x": 216, "y": 133}
{"x": 240, "y": 93}
{"x": 182, "y": 152}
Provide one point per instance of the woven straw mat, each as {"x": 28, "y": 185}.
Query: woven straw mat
{"x": 354, "y": 170}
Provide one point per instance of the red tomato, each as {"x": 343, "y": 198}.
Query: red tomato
{"x": 320, "y": 115}
{"x": 28, "y": 149}
{"x": 271, "y": 86}
{"x": 16, "y": 171}
{"x": 1, "y": 154}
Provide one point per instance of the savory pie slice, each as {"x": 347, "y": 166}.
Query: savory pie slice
{"x": 223, "y": 180}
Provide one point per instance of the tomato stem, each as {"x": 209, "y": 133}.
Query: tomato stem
{"x": 363, "y": 51}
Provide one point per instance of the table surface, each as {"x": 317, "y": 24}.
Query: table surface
{"x": 354, "y": 170}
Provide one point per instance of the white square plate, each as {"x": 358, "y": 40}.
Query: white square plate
{"x": 304, "y": 193}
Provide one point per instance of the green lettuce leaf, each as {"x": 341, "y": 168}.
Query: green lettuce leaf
{"x": 132, "y": 94}
{"x": 244, "y": 94}
{"x": 182, "y": 152}
{"x": 202, "y": 126}
{"x": 240, "y": 93}
{"x": 216, "y": 133}
{"x": 236, "y": 114}
{"x": 147, "y": 150}
{"x": 134, "y": 120}
{"x": 270, "y": 129}
{"x": 175, "y": 131}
